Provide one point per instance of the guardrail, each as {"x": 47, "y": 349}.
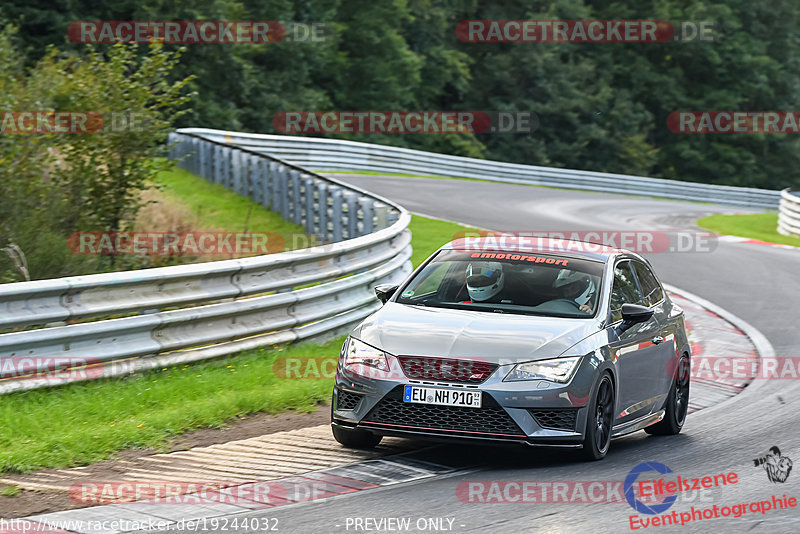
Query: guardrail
{"x": 232, "y": 304}
{"x": 789, "y": 214}
{"x": 335, "y": 154}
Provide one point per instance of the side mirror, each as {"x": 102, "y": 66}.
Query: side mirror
{"x": 385, "y": 291}
{"x": 633, "y": 314}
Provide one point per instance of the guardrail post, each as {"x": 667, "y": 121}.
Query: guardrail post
{"x": 217, "y": 155}
{"x": 179, "y": 152}
{"x": 270, "y": 170}
{"x": 282, "y": 193}
{"x": 336, "y": 214}
{"x": 241, "y": 173}
{"x": 176, "y": 151}
{"x": 308, "y": 187}
{"x": 209, "y": 172}
{"x": 352, "y": 215}
{"x": 217, "y": 164}
{"x": 381, "y": 215}
{"x": 172, "y": 140}
{"x": 191, "y": 161}
{"x": 368, "y": 209}
{"x": 245, "y": 173}
{"x": 196, "y": 162}
{"x": 226, "y": 167}
{"x": 184, "y": 150}
{"x": 201, "y": 159}
{"x": 233, "y": 170}
{"x": 322, "y": 212}
{"x": 256, "y": 185}
{"x": 295, "y": 200}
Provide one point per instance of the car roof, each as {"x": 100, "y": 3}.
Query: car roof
{"x": 536, "y": 244}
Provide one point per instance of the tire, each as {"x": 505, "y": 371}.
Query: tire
{"x": 599, "y": 420}
{"x": 677, "y": 404}
{"x": 355, "y": 439}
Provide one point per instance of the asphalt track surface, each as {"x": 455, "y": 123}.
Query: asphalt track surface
{"x": 757, "y": 283}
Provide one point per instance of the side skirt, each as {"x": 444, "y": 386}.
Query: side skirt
{"x": 638, "y": 424}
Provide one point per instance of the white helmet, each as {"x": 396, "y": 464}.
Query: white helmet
{"x": 568, "y": 276}
{"x": 484, "y": 280}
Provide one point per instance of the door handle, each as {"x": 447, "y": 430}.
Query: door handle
{"x": 657, "y": 340}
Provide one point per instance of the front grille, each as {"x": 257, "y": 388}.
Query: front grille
{"x": 346, "y": 400}
{"x": 446, "y": 369}
{"x": 557, "y": 419}
{"x": 490, "y": 419}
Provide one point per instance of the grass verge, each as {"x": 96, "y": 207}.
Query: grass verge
{"x": 82, "y": 423}
{"x": 761, "y": 226}
{"x": 427, "y": 235}
{"x": 86, "y": 422}
{"x": 217, "y": 208}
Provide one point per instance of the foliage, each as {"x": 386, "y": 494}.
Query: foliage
{"x": 600, "y": 106}
{"x": 54, "y": 184}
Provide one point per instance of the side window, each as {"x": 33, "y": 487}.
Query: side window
{"x": 650, "y": 286}
{"x": 625, "y": 290}
{"x": 430, "y": 279}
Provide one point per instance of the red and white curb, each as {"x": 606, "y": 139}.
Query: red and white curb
{"x": 750, "y": 241}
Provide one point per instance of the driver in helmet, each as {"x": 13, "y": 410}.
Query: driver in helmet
{"x": 485, "y": 280}
{"x": 575, "y": 286}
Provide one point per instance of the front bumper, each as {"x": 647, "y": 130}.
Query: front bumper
{"x": 537, "y": 412}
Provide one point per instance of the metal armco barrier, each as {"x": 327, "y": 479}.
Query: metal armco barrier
{"x": 228, "y": 305}
{"x": 339, "y": 155}
{"x": 789, "y": 214}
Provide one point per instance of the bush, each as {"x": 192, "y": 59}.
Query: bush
{"x": 55, "y": 184}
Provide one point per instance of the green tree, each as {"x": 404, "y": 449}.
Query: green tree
{"x": 55, "y": 184}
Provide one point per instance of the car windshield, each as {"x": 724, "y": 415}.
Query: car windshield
{"x": 507, "y": 282}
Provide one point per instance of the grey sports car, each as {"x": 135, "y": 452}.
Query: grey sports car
{"x": 553, "y": 343}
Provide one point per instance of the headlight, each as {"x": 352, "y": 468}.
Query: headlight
{"x": 557, "y": 370}
{"x": 358, "y": 352}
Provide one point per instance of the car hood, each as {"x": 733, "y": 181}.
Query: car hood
{"x": 401, "y": 330}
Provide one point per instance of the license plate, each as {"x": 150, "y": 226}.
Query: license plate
{"x": 442, "y": 397}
